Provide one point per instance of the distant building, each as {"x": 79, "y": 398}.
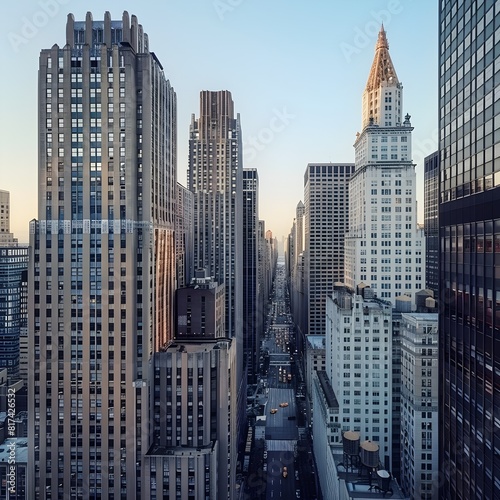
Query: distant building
{"x": 252, "y": 310}
{"x": 13, "y": 301}
{"x": 184, "y": 236}
{"x": 315, "y": 360}
{"x": 326, "y": 202}
{"x": 6, "y": 237}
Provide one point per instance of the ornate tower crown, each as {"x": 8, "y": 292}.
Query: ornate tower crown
{"x": 382, "y": 69}
{"x": 382, "y": 74}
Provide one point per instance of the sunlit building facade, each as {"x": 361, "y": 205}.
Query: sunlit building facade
{"x": 102, "y": 262}
{"x": 385, "y": 248}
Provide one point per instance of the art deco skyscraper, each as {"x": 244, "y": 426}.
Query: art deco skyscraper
{"x": 102, "y": 273}
{"x": 384, "y": 247}
{"x": 469, "y": 265}
{"x": 215, "y": 176}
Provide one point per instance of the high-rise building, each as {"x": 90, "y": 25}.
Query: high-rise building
{"x": 431, "y": 226}
{"x": 215, "y": 177}
{"x": 469, "y": 266}
{"x": 13, "y": 268}
{"x": 13, "y": 289}
{"x": 419, "y": 405}
{"x": 326, "y": 204}
{"x": 358, "y": 343}
{"x": 102, "y": 262}
{"x": 252, "y": 310}
{"x": 384, "y": 246}
{"x": 6, "y": 237}
{"x": 184, "y": 236}
{"x": 193, "y": 453}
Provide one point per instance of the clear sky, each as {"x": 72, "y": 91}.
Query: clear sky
{"x": 296, "y": 71}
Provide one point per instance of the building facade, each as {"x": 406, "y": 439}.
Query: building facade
{"x": 419, "y": 405}
{"x": 469, "y": 231}
{"x": 431, "y": 224}
{"x": 358, "y": 354}
{"x": 215, "y": 177}
{"x": 6, "y": 237}
{"x": 13, "y": 317}
{"x": 252, "y": 310}
{"x": 184, "y": 236}
{"x": 326, "y": 220}
{"x": 384, "y": 246}
{"x": 102, "y": 258}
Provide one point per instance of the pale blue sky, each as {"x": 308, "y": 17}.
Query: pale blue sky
{"x": 296, "y": 71}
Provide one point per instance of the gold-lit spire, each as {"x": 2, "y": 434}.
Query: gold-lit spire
{"x": 382, "y": 74}
{"x": 382, "y": 69}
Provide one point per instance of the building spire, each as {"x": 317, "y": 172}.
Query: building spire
{"x": 382, "y": 69}
{"x": 382, "y": 75}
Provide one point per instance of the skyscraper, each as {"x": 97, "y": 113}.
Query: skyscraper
{"x": 326, "y": 204}
{"x": 252, "y": 313}
{"x": 469, "y": 267}
{"x": 13, "y": 268}
{"x": 215, "y": 176}
{"x": 102, "y": 273}
{"x": 13, "y": 276}
{"x": 431, "y": 226}
{"x": 384, "y": 247}
{"x": 6, "y": 237}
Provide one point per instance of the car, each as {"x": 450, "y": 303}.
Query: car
{"x": 284, "y": 472}
{"x": 283, "y": 405}
{"x": 273, "y": 410}
{"x": 265, "y": 454}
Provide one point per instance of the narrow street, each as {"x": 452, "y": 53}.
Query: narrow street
{"x": 280, "y": 463}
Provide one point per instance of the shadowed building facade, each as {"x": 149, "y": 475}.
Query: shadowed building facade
{"x": 469, "y": 262}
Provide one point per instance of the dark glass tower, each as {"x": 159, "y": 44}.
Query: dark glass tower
{"x": 431, "y": 227}
{"x": 469, "y": 231}
{"x": 251, "y": 312}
